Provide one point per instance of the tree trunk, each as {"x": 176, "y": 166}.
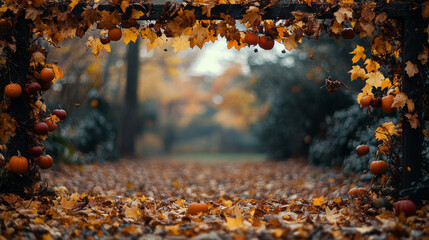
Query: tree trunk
{"x": 129, "y": 115}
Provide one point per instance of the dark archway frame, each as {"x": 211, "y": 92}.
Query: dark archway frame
{"x": 412, "y": 42}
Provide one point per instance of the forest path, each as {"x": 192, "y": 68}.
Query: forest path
{"x": 246, "y": 200}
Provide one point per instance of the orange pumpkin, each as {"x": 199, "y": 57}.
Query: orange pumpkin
{"x": 251, "y": 38}
{"x": 45, "y": 162}
{"x": 47, "y": 75}
{"x": 195, "y": 208}
{"x": 18, "y": 164}
{"x": 386, "y": 104}
{"x": 51, "y": 124}
{"x": 13, "y": 90}
{"x": 115, "y": 34}
{"x": 357, "y": 192}
{"x": 365, "y": 100}
{"x": 266, "y": 42}
{"x": 378, "y": 167}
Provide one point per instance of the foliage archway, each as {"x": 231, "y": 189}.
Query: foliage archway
{"x": 393, "y": 67}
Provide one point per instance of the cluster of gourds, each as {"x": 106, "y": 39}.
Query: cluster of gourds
{"x": 18, "y": 163}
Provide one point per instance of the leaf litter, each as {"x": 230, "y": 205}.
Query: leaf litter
{"x": 246, "y": 200}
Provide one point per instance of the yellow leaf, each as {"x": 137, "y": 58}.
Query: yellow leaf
{"x": 73, "y": 4}
{"x": 412, "y": 119}
{"x": 136, "y": 14}
{"x": 180, "y": 43}
{"x": 232, "y": 223}
{"x": 39, "y": 221}
{"x": 290, "y": 42}
{"x": 174, "y": 229}
{"x": 252, "y": 15}
{"x": 387, "y": 129}
{"x": 143, "y": 198}
{"x": 46, "y": 236}
{"x": 227, "y": 203}
{"x": 133, "y": 213}
{"x": 374, "y": 79}
{"x": 386, "y": 83}
{"x": 130, "y": 34}
{"x": 371, "y": 65}
{"x": 59, "y": 74}
{"x": 124, "y": 5}
{"x": 357, "y": 72}
{"x": 359, "y": 54}
{"x": 411, "y": 68}
{"x": 39, "y": 57}
{"x": 318, "y": 201}
{"x": 400, "y": 100}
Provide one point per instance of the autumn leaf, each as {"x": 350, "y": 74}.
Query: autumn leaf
{"x": 343, "y": 14}
{"x": 7, "y": 127}
{"x": 317, "y": 202}
{"x": 357, "y": 72}
{"x": 73, "y": 4}
{"x": 411, "y": 68}
{"x": 130, "y": 34}
{"x": 133, "y": 213}
{"x": 233, "y": 223}
{"x": 375, "y": 79}
{"x": 410, "y": 105}
{"x": 58, "y": 73}
{"x": 359, "y": 54}
{"x": 386, "y": 83}
{"x": 412, "y": 119}
{"x": 135, "y": 14}
{"x": 180, "y": 43}
{"x": 199, "y": 33}
{"x": 252, "y": 15}
{"x": 383, "y": 132}
{"x": 371, "y": 65}
{"x": 399, "y": 100}
{"x": 96, "y": 46}
{"x": 290, "y": 42}
{"x": 39, "y": 57}
{"x": 124, "y": 5}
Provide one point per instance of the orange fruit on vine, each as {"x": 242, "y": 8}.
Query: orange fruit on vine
{"x": 45, "y": 162}
{"x": 362, "y": 150}
{"x": 357, "y": 192}
{"x": 266, "y": 42}
{"x": 386, "y": 104}
{"x": 115, "y": 34}
{"x": 195, "y": 208}
{"x": 18, "y": 164}
{"x": 378, "y": 167}
{"x": 47, "y": 75}
{"x": 251, "y": 38}
{"x": 13, "y": 90}
{"x": 365, "y": 101}
{"x": 51, "y": 125}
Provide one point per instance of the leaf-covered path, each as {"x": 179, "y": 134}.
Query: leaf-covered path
{"x": 247, "y": 200}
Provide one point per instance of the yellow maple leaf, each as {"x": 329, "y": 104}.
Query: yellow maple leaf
{"x": 59, "y": 74}
{"x": 383, "y": 132}
{"x": 96, "y": 46}
{"x": 124, "y": 5}
{"x": 135, "y": 14}
{"x": 358, "y": 54}
{"x": 386, "y": 83}
{"x": 73, "y": 4}
{"x": 411, "y": 68}
{"x": 232, "y": 223}
{"x": 174, "y": 229}
{"x": 130, "y": 34}
{"x": 318, "y": 201}
{"x": 412, "y": 119}
{"x": 180, "y": 43}
{"x": 357, "y": 72}
{"x": 374, "y": 79}
{"x": 399, "y": 100}
{"x": 371, "y": 65}
{"x": 199, "y": 34}
{"x": 159, "y": 41}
